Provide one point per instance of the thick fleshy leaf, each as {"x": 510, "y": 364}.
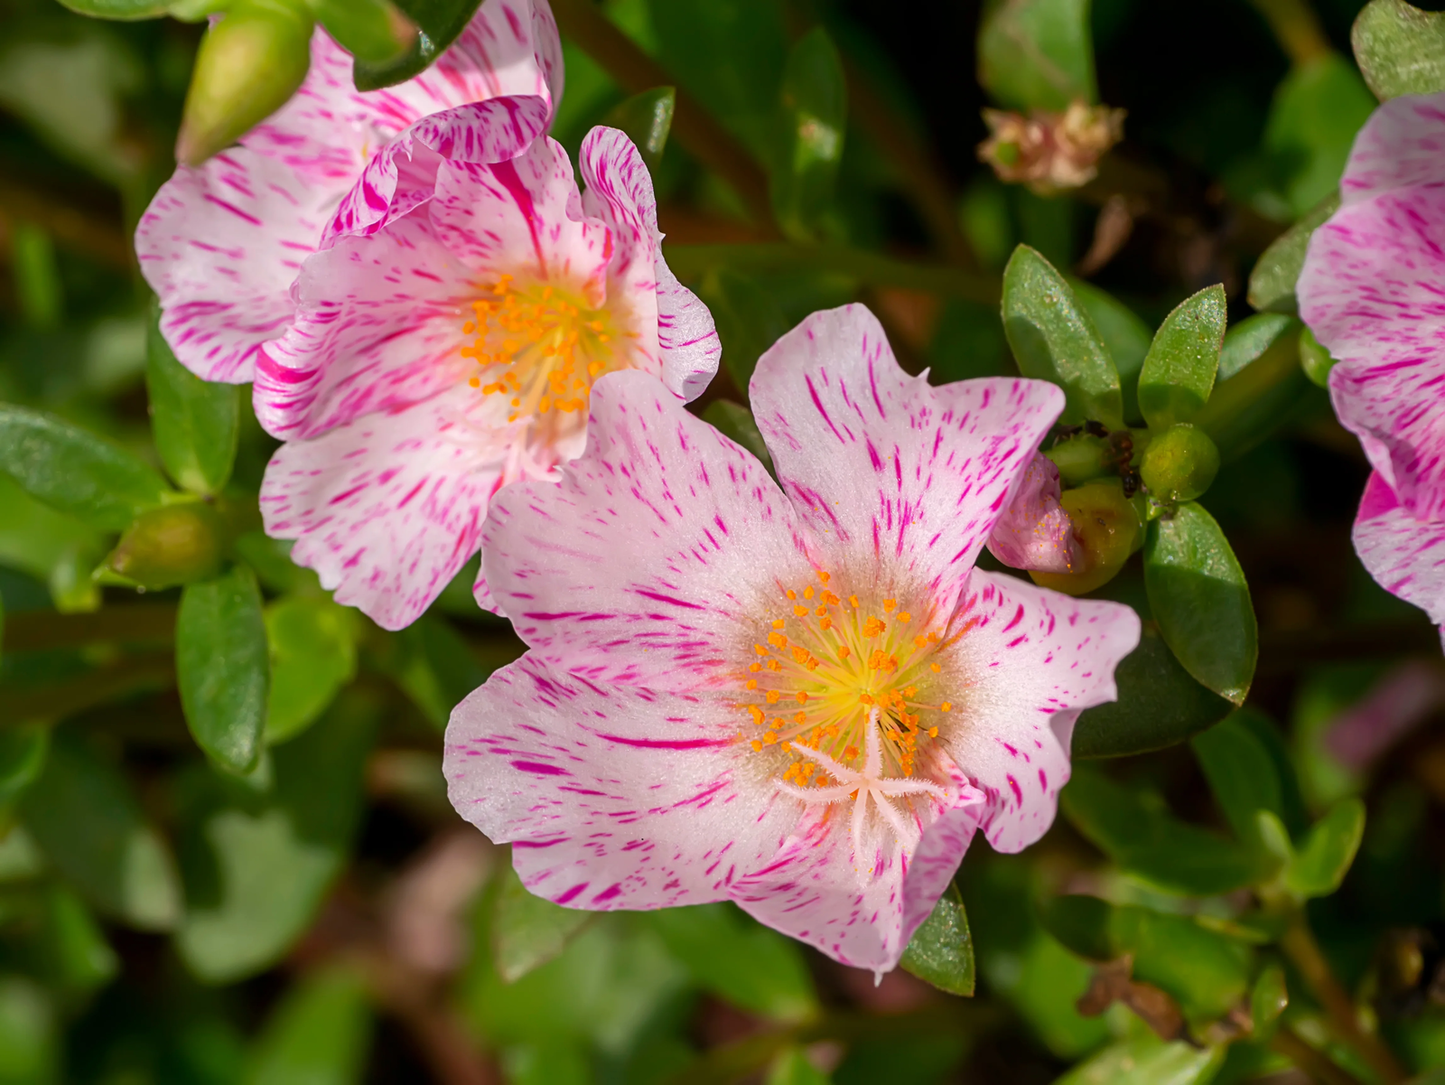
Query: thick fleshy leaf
{"x": 1400, "y": 48}
{"x": 1272, "y": 282}
{"x": 440, "y": 22}
{"x": 1241, "y": 773}
{"x": 1036, "y": 54}
{"x": 1249, "y": 338}
{"x": 1405, "y": 555}
{"x": 1267, "y": 1000}
{"x": 318, "y": 1034}
{"x": 1138, "y": 833}
{"x": 1147, "y": 1060}
{"x": 1317, "y": 109}
{"x": 120, "y": 9}
{"x": 222, "y": 667}
{"x": 1325, "y": 855}
{"x": 373, "y": 31}
{"x": 195, "y": 422}
{"x": 1178, "y": 373}
{"x": 312, "y": 643}
{"x": 813, "y": 117}
{"x": 528, "y": 930}
{"x": 85, "y": 817}
{"x": 1159, "y": 705}
{"x": 75, "y": 471}
{"x": 1258, "y": 399}
{"x": 1201, "y": 601}
{"x": 941, "y": 950}
{"x": 749, "y": 321}
{"x": 1125, "y": 335}
{"x": 23, "y": 750}
{"x": 257, "y": 863}
{"x": 646, "y": 119}
{"x": 1054, "y": 339}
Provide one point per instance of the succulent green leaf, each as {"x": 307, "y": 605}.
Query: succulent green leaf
{"x": 743, "y": 963}
{"x": 437, "y": 668}
{"x": 941, "y": 949}
{"x": 1140, "y": 835}
{"x": 318, "y": 1034}
{"x": 1314, "y": 359}
{"x": 1200, "y": 599}
{"x": 1400, "y": 49}
{"x": 1267, "y": 1001}
{"x": 1125, "y": 335}
{"x": 1144, "y": 1059}
{"x": 438, "y": 22}
{"x": 748, "y": 319}
{"x": 372, "y": 31}
{"x": 195, "y": 423}
{"x": 222, "y": 667}
{"x": 23, "y": 748}
{"x": 1053, "y": 339}
{"x": 793, "y": 1067}
{"x": 1317, "y": 109}
{"x": 1036, "y": 54}
{"x": 1259, "y": 398}
{"x": 1241, "y": 773}
{"x": 1159, "y": 705}
{"x": 646, "y": 118}
{"x": 812, "y": 120}
{"x": 1272, "y": 282}
{"x": 1246, "y": 340}
{"x": 257, "y": 861}
{"x": 85, "y": 817}
{"x": 1328, "y": 850}
{"x": 312, "y": 644}
{"x": 75, "y": 471}
{"x": 119, "y": 9}
{"x": 527, "y": 930}
{"x": 70, "y": 947}
{"x": 1178, "y": 372}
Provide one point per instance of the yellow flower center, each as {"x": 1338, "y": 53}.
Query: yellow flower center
{"x": 540, "y": 346}
{"x": 823, "y": 666}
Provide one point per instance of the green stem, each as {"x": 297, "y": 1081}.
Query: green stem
{"x": 1296, "y": 27}
{"x": 872, "y": 268}
{"x": 129, "y": 674}
{"x": 1304, "y": 953}
{"x": 1310, "y": 1062}
{"x": 692, "y": 125}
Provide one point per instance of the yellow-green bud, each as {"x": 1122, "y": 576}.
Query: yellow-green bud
{"x": 1105, "y": 525}
{"x": 248, "y": 66}
{"x": 1080, "y": 458}
{"x": 1179, "y": 463}
{"x": 176, "y": 544}
{"x": 1314, "y": 359}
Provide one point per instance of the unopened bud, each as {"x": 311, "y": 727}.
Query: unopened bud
{"x": 176, "y": 544}
{"x": 1314, "y": 359}
{"x": 1179, "y": 464}
{"x": 1105, "y": 528}
{"x": 1081, "y": 458}
{"x": 249, "y": 64}
{"x": 1050, "y": 152}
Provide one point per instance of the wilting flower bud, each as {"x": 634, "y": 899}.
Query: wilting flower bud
{"x": 1179, "y": 464}
{"x": 1314, "y": 359}
{"x": 1105, "y": 528}
{"x": 173, "y": 545}
{"x": 1050, "y": 152}
{"x": 249, "y": 64}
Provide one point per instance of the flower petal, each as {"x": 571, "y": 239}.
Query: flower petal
{"x": 1402, "y": 145}
{"x": 388, "y": 508}
{"x": 635, "y": 567}
{"x": 1031, "y": 660}
{"x": 221, "y": 245}
{"x": 619, "y": 192}
{"x": 378, "y": 325}
{"x": 611, "y": 797}
{"x": 1406, "y": 555}
{"x": 897, "y": 471}
{"x": 1370, "y": 291}
{"x": 1034, "y": 531}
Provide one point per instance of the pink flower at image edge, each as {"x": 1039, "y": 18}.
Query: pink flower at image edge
{"x": 1373, "y": 292}
{"x": 802, "y": 700}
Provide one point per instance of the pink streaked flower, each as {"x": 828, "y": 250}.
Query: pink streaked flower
{"x": 1034, "y": 531}
{"x": 222, "y": 244}
{"x": 453, "y": 351}
{"x": 804, "y": 700}
{"x": 1373, "y": 292}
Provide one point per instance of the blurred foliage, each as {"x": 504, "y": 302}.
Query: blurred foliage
{"x": 226, "y": 854}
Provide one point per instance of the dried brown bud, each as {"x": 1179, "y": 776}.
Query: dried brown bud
{"x": 1050, "y": 152}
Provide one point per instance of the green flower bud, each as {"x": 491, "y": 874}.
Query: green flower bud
{"x": 1106, "y": 527}
{"x": 1179, "y": 463}
{"x": 1314, "y": 359}
{"x": 176, "y": 544}
{"x": 1081, "y": 458}
{"x": 248, "y": 66}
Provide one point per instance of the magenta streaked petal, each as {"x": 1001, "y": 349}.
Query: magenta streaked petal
{"x": 221, "y": 245}
{"x": 611, "y": 797}
{"x": 1404, "y": 554}
{"x": 386, "y": 509}
{"x": 1402, "y": 145}
{"x": 638, "y": 567}
{"x": 1034, "y": 531}
{"x": 1031, "y": 660}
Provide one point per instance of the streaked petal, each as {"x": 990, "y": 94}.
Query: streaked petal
{"x": 1405, "y": 554}
{"x": 611, "y": 797}
{"x": 1402, "y": 145}
{"x": 1034, "y": 531}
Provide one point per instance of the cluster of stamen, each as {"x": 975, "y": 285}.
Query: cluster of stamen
{"x": 829, "y": 668}
{"x": 540, "y": 346}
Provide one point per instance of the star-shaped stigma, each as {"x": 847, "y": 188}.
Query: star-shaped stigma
{"x": 863, "y": 786}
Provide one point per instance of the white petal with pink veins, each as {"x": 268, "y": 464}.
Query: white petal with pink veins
{"x": 1405, "y": 554}
{"x": 388, "y": 508}
{"x": 1034, "y": 531}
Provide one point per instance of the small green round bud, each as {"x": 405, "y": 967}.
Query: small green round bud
{"x": 1314, "y": 359}
{"x": 1080, "y": 459}
{"x": 1179, "y": 463}
{"x": 248, "y": 66}
{"x": 176, "y": 544}
{"x": 1105, "y": 527}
